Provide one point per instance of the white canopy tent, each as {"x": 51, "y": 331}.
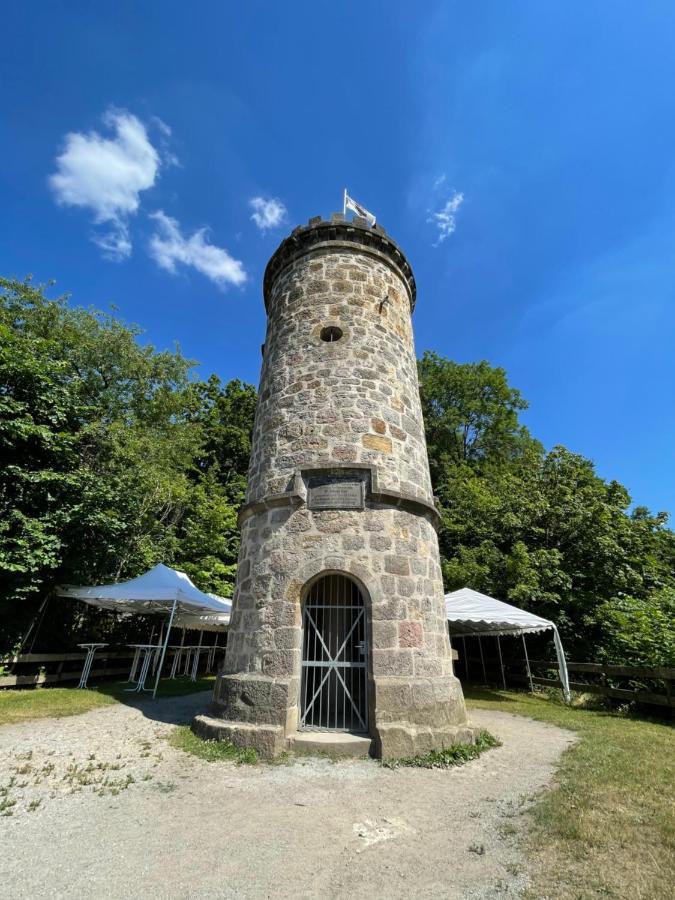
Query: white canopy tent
{"x": 160, "y": 591}
{"x": 472, "y": 614}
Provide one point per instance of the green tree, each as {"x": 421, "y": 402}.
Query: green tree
{"x": 541, "y": 530}
{"x": 112, "y": 456}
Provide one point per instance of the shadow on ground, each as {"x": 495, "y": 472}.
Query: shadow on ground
{"x": 177, "y": 702}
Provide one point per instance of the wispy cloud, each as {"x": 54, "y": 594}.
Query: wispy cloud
{"x": 168, "y": 247}
{"x": 268, "y": 212}
{"x": 445, "y": 219}
{"x": 106, "y": 176}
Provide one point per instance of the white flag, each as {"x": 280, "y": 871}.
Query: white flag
{"x": 350, "y": 203}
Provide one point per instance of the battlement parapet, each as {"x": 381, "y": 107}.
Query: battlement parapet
{"x": 337, "y": 231}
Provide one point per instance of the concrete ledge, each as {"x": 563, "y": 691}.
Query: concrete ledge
{"x": 335, "y": 743}
{"x": 267, "y": 740}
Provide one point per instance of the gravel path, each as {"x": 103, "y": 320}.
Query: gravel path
{"x": 104, "y": 807}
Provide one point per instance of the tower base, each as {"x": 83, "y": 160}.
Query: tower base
{"x": 413, "y": 715}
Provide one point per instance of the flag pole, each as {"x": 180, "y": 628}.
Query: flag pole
{"x": 344, "y": 203}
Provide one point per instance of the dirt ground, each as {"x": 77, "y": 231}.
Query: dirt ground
{"x": 100, "y": 805}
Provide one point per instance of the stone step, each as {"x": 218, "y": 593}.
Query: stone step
{"x": 332, "y": 743}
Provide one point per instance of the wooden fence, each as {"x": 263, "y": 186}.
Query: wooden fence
{"x": 108, "y": 665}
{"x": 53, "y": 668}
{"x": 643, "y": 684}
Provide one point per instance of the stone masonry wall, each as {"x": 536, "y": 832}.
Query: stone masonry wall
{"x": 355, "y": 400}
{"x": 352, "y": 402}
{"x": 393, "y": 555}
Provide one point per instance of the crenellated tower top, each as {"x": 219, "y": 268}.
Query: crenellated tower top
{"x": 336, "y": 232}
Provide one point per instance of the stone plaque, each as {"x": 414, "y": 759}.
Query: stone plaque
{"x": 336, "y": 495}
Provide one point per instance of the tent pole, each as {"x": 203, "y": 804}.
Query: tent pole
{"x": 212, "y": 654}
{"x": 562, "y": 665}
{"x": 159, "y": 644}
{"x": 466, "y": 660}
{"x": 37, "y": 616}
{"x": 482, "y": 659}
{"x": 527, "y": 664}
{"x": 501, "y": 662}
{"x": 166, "y": 641}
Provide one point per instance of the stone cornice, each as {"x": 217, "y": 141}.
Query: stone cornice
{"x": 319, "y": 234}
{"x": 376, "y": 496}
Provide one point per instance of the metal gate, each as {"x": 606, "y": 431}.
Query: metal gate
{"x": 334, "y": 688}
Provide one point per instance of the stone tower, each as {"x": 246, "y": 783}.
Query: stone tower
{"x": 338, "y": 620}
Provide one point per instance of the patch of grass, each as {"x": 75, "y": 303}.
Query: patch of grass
{"x": 18, "y": 705}
{"x": 608, "y": 826}
{"x": 40, "y": 703}
{"x": 183, "y": 738}
{"x": 456, "y": 755}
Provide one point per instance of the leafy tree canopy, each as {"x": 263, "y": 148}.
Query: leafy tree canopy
{"x": 112, "y": 456}
{"x": 541, "y": 529}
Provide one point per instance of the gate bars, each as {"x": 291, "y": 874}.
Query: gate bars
{"x": 334, "y": 689}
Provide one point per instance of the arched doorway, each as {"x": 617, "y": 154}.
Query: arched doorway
{"x": 334, "y": 687}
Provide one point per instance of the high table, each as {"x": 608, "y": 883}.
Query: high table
{"x": 89, "y": 659}
{"x": 146, "y": 651}
{"x": 177, "y": 656}
{"x": 134, "y": 665}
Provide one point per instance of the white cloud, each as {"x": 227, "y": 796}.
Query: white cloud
{"x": 445, "y": 218}
{"x": 268, "y": 212}
{"x": 106, "y": 175}
{"x": 168, "y": 247}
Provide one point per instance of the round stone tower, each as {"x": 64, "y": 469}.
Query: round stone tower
{"x": 338, "y": 620}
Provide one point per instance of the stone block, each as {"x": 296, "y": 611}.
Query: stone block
{"x": 410, "y": 634}
{"x": 280, "y": 663}
{"x": 396, "y": 565}
{"x": 286, "y": 638}
{"x": 376, "y": 442}
{"x": 392, "y": 662}
{"x": 384, "y": 634}
{"x": 267, "y": 740}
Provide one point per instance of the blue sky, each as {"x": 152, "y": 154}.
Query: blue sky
{"x": 521, "y": 153}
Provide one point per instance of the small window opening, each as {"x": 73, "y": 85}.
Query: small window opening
{"x": 331, "y": 333}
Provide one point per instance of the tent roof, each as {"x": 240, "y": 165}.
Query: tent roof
{"x": 153, "y": 592}
{"x": 472, "y": 613}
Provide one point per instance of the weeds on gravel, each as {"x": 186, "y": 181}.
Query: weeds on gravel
{"x": 456, "y": 755}
{"x": 183, "y": 738}
{"x": 6, "y": 805}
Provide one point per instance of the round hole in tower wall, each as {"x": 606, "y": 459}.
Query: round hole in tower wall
{"x": 330, "y": 334}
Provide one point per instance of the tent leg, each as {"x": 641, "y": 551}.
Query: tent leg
{"x": 39, "y": 615}
{"x": 166, "y": 641}
{"x": 527, "y": 665}
{"x": 159, "y": 644}
{"x": 501, "y": 662}
{"x": 466, "y": 661}
{"x": 482, "y": 660}
{"x": 562, "y": 666}
{"x": 212, "y": 654}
